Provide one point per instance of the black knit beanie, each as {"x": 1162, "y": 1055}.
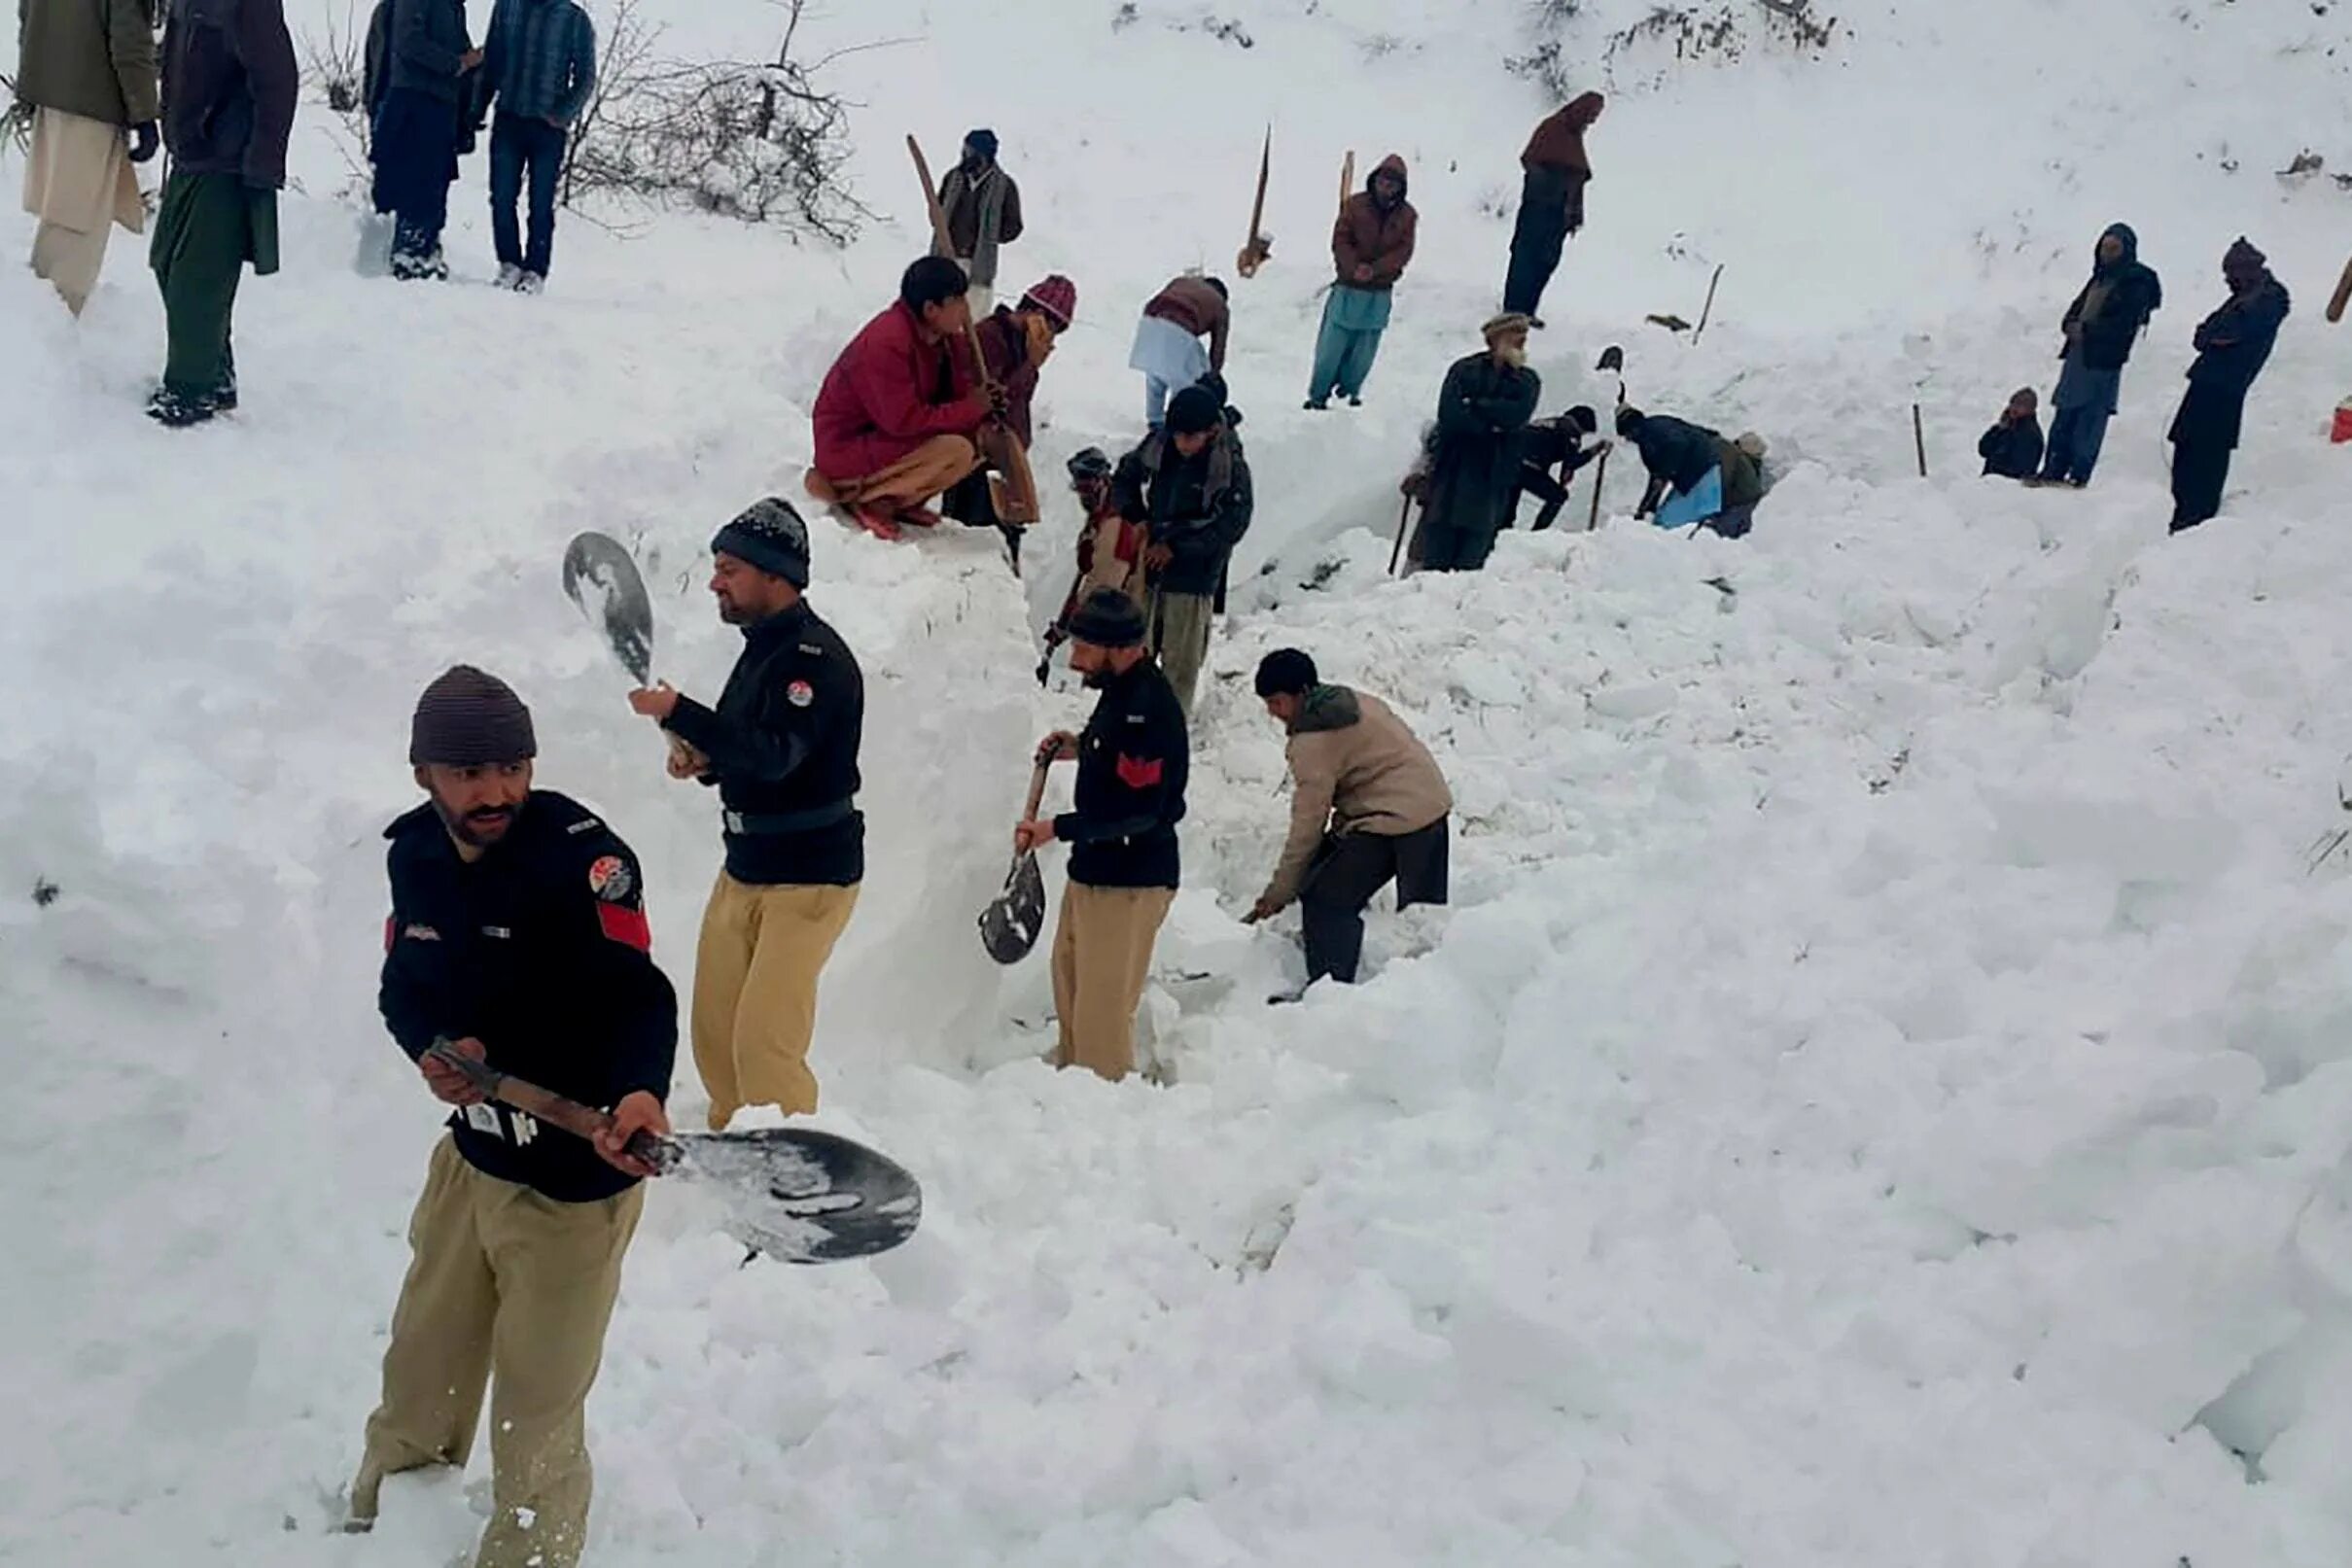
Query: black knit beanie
{"x": 771, "y": 537}
{"x": 1107, "y": 618}
{"x": 468, "y": 719}
{"x": 1194, "y": 411}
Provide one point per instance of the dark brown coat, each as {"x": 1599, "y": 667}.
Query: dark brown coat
{"x": 1365, "y": 236}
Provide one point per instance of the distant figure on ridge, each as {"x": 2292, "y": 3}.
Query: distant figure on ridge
{"x": 2100, "y": 327}
{"x": 2233, "y": 345}
{"x": 1168, "y": 340}
{"x": 1371, "y": 245}
{"x": 1551, "y": 203}
{"x": 2013, "y": 448}
{"x": 983, "y": 208}
{"x": 86, "y": 70}
{"x": 538, "y": 67}
{"x": 897, "y": 418}
{"x": 1473, "y": 454}
{"x": 422, "y": 124}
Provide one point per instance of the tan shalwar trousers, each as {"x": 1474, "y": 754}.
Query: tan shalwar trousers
{"x": 79, "y": 181}
{"x": 755, "y": 978}
{"x": 923, "y": 473}
{"x": 512, "y": 1288}
{"x": 1101, "y": 959}
{"x": 1180, "y": 639}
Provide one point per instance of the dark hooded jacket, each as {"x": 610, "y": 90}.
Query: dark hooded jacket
{"x": 1369, "y": 235}
{"x": 2107, "y": 316}
{"x": 2233, "y": 345}
{"x": 1474, "y": 452}
{"x": 1557, "y": 166}
{"x": 2012, "y": 451}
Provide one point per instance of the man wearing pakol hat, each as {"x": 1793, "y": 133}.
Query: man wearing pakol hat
{"x": 1189, "y": 483}
{"x": 1121, "y": 828}
{"x": 518, "y": 938}
{"x": 983, "y": 208}
{"x": 782, "y": 749}
{"x": 2233, "y": 345}
{"x": 1474, "y": 452}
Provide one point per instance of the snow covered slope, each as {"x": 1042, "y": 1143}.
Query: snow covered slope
{"x": 1879, "y": 1096}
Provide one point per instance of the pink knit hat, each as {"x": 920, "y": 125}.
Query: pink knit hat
{"x": 1058, "y": 298}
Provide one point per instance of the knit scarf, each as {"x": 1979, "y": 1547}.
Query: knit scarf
{"x": 989, "y": 191}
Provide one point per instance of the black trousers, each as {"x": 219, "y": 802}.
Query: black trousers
{"x": 1347, "y": 871}
{"x": 1537, "y": 241}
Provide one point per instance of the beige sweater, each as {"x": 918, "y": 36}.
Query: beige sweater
{"x": 1354, "y": 768}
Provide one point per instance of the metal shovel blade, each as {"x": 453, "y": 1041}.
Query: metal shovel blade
{"x": 1612, "y": 357}
{"x": 1011, "y": 924}
{"x": 601, "y": 578}
{"x": 801, "y": 1196}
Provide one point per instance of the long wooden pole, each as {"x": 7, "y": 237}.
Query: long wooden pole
{"x": 1600, "y": 474}
{"x": 1396, "y": 552}
{"x": 1918, "y": 439}
{"x": 1017, "y": 505}
{"x": 1709, "y": 309}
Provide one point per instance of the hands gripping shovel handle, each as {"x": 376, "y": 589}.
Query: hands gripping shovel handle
{"x": 552, "y": 1108}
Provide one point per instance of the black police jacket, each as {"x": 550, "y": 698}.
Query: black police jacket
{"x": 539, "y": 950}
{"x": 783, "y": 744}
{"x": 1133, "y": 759}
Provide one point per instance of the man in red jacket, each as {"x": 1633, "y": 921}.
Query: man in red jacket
{"x": 896, "y": 419}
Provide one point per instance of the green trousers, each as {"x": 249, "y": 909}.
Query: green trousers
{"x": 208, "y": 227}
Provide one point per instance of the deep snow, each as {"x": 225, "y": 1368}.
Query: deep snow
{"x": 1879, "y": 1096}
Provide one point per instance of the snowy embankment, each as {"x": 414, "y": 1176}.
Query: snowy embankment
{"x": 1877, "y": 1095}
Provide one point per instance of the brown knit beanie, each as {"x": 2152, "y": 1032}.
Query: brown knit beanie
{"x": 467, "y": 718}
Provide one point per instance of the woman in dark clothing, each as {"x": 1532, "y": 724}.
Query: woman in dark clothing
{"x": 2232, "y": 346}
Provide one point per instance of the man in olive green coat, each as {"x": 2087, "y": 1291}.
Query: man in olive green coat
{"x": 88, "y": 70}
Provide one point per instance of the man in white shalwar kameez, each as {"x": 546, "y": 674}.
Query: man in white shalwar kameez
{"x": 88, "y": 70}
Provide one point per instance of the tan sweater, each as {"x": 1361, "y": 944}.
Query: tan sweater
{"x": 1354, "y": 768}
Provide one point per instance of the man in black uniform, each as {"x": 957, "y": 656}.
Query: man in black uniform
{"x": 1132, "y": 763}
{"x": 517, "y": 937}
{"x": 782, "y": 749}
{"x": 1548, "y": 444}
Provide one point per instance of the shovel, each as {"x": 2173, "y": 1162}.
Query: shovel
{"x": 1011, "y": 924}
{"x": 602, "y": 580}
{"x": 795, "y": 1194}
{"x": 1612, "y": 357}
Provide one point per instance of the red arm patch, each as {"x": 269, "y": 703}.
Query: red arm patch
{"x": 1141, "y": 773}
{"x": 627, "y": 926}
{"x": 389, "y": 928}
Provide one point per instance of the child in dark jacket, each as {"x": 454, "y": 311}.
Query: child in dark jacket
{"x": 2012, "y": 447}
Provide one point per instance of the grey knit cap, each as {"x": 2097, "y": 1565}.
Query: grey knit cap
{"x": 467, "y": 718}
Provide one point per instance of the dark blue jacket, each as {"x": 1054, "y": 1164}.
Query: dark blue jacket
{"x": 2129, "y": 294}
{"x": 427, "y": 44}
{"x": 540, "y": 62}
{"x": 1132, "y": 762}
{"x": 1676, "y": 451}
{"x": 2012, "y": 451}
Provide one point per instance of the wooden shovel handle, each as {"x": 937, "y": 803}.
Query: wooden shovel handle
{"x": 550, "y": 1108}
{"x": 1036, "y": 793}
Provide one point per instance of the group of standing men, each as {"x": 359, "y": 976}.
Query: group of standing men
{"x": 219, "y": 94}
{"x": 2100, "y": 330}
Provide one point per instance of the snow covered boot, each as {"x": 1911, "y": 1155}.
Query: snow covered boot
{"x": 172, "y": 412}
{"x": 530, "y": 283}
{"x": 509, "y": 276}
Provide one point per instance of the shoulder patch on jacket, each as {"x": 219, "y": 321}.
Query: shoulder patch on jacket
{"x": 611, "y": 879}
{"x": 1141, "y": 773}
{"x": 627, "y": 926}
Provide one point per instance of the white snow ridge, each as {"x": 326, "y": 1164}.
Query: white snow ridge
{"x": 1878, "y": 1098}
